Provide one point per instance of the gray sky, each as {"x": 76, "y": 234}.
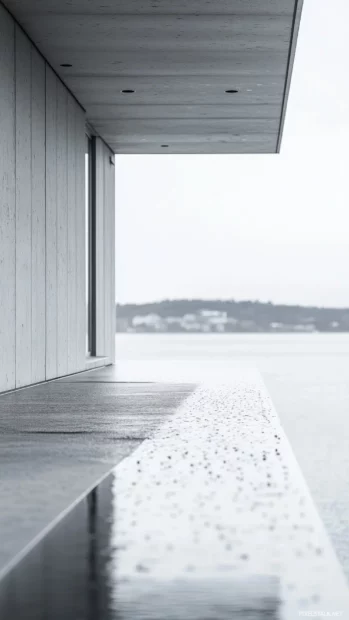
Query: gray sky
{"x": 251, "y": 227}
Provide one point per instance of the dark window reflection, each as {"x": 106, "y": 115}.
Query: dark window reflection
{"x": 66, "y": 575}
{"x": 71, "y": 575}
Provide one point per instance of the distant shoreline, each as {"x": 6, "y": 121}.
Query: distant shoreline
{"x": 183, "y": 316}
{"x": 192, "y": 333}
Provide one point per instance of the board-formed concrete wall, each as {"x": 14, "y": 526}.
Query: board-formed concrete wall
{"x": 42, "y": 221}
{"x": 105, "y": 250}
{"x": 65, "y": 231}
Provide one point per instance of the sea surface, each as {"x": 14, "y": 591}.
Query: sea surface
{"x": 307, "y": 376}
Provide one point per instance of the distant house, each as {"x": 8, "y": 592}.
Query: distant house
{"x": 148, "y": 322}
{"x": 212, "y": 320}
{"x": 301, "y": 327}
{"x": 213, "y": 314}
{"x": 190, "y": 323}
{"x": 276, "y": 326}
{"x": 189, "y": 318}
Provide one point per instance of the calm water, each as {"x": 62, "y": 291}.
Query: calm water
{"x": 308, "y": 378}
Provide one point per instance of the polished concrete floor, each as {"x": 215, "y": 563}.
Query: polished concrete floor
{"x": 58, "y": 439}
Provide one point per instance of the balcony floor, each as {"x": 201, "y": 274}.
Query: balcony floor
{"x": 60, "y": 438}
{"x": 213, "y": 502}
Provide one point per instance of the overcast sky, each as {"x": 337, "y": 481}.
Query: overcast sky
{"x": 251, "y": 227}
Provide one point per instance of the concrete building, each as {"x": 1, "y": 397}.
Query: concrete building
{"x": 80, "y": 82}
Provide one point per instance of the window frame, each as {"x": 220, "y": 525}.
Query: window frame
{"x": 90, "y": 251}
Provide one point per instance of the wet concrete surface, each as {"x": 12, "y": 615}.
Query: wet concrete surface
{"x": 58, "y": 439}
{"x": 208, "y": 519}
{"x": 307, "y": 376}
{"x": 71, "y": 574}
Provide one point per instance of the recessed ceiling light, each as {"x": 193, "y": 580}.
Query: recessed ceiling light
{"x": 127, "y": 91}
{"x": 231, "y": 91}
{"x": 66, "y": 64}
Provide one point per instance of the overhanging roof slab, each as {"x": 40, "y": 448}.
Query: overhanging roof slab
{"x": 179, "y": 57}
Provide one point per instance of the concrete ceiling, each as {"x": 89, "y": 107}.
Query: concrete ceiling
{"x": 180, "y": 57}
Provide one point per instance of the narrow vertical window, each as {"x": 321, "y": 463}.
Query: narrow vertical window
{"x": 89, "y": 249}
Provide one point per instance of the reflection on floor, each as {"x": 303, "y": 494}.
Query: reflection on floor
{"x": 72, "y": 574}
{"x": 57, "y": 440}
{"x": 209, "y": 518}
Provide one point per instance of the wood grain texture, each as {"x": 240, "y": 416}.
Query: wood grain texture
{"x": 165, "y": 7}
{"x": 182, "y": 63}
{"x": 104, "y": 113}
{"x": 42, "y": 225}
{"x": 62, "y": 230}
{"x": 245, "y": 145}
{"x": 100, "y": 291}
{"x": 7, "y": 204}
{"x": 72, "y": 232}
{"x": 177, "y": 132}
{"x": 173, "y": 54}
{"x": 51, "y": 224}
{"x": 112, "y": 208}
{"x": 80, "y": 142}
{"x": 23, "y": 211}
{"x": 178, "y": 90}
{"x": 38, "y": 218}
{"x": 164, "y": 33}
{"x": 107, "y": 253}
{"x": 153, "y": 130}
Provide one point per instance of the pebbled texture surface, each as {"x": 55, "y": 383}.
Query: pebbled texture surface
{"x": 208, "y": 519}
{"x": 216, "y": 495}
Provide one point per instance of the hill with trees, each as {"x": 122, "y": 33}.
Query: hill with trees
{"x": 177, "y": 314}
